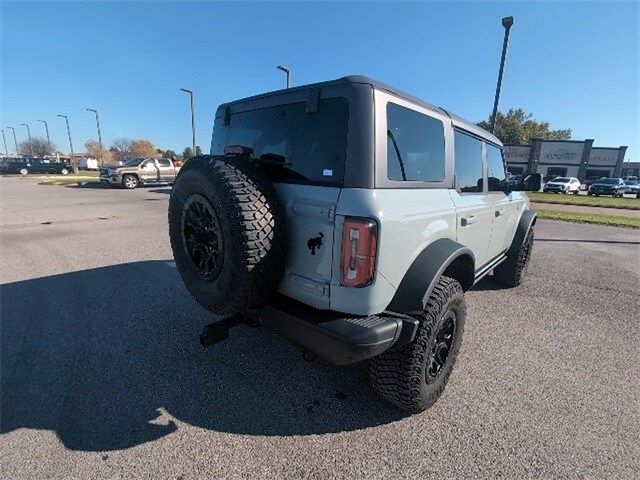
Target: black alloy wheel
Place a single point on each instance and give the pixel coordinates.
(442, 344)
(202, 236)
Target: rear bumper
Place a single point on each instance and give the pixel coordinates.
(336, 337)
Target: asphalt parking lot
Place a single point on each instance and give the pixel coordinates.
(102, 375)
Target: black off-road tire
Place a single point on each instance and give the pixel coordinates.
(511, 271)
(253, 235)
(401, 376)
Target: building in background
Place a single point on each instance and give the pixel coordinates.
(630, 169)
(565, 158)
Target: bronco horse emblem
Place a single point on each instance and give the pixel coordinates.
(315, 243)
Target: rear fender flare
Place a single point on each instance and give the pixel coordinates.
(443, 255)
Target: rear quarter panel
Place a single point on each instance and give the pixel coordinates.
(408, 221)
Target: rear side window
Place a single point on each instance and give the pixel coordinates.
(495, 169)
(415, 146)
(164, 163)
(468, 161)
(310, 146)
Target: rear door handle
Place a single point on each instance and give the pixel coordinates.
(468, 220)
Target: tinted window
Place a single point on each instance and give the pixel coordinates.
(495, 169)
(468, 161)
(296, 145)
(164, 163)
(415, 146)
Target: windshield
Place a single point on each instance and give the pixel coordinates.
(134, 162)
(608, 181)
(560, 179)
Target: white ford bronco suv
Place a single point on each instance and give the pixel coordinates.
(350, 218)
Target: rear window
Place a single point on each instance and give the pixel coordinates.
(312, 146)
(415, 146)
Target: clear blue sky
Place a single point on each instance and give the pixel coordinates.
(573, 64)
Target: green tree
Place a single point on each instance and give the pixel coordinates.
(187, 153)
(517, 127)
(168, 153)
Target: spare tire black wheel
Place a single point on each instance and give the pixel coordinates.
(227, 229)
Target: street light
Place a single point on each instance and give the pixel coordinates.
(15, 142)
(28, 135)
(73, 162)
(98, 125)
(4, 140)
(46, 127)
(99, 135)
(193, 120)
(507, 22)
(287, 73)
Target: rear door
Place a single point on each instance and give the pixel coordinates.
(166, 170)
(473, 205)
(303, 151)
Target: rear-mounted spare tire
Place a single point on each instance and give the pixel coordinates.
(227, 229)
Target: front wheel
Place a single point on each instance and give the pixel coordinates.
(414, 376)
(130, 181)
(64, 171)
(23, 171)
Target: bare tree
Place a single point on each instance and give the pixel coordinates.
(94, 150)
(36, 146)
(122, 149)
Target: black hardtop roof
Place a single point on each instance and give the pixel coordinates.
(363, 79)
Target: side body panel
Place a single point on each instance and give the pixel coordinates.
(409, 220)
(474, 220)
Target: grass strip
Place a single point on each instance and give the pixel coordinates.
(594, 218)
(586, 201)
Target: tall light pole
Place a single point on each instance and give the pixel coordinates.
(28, 135)
(507, 22)
(4, 140)
(46, 128)
(193, 120)
(287, 73)
(99, 134)
(73, 161)
(15, 142)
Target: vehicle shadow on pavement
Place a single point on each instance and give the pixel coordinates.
(108, 359)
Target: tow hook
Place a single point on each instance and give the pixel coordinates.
(218, 331)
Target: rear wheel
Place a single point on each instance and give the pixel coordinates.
(23, 171)
(64, 171)
(511, 270)
(414, 376)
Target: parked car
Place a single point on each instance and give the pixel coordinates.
(607, 186)
(35, 165)
(630, 177)
(562, 185)
(139, 171)
(631, 186)
(354, 256)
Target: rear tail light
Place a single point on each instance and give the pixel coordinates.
(359, 244)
